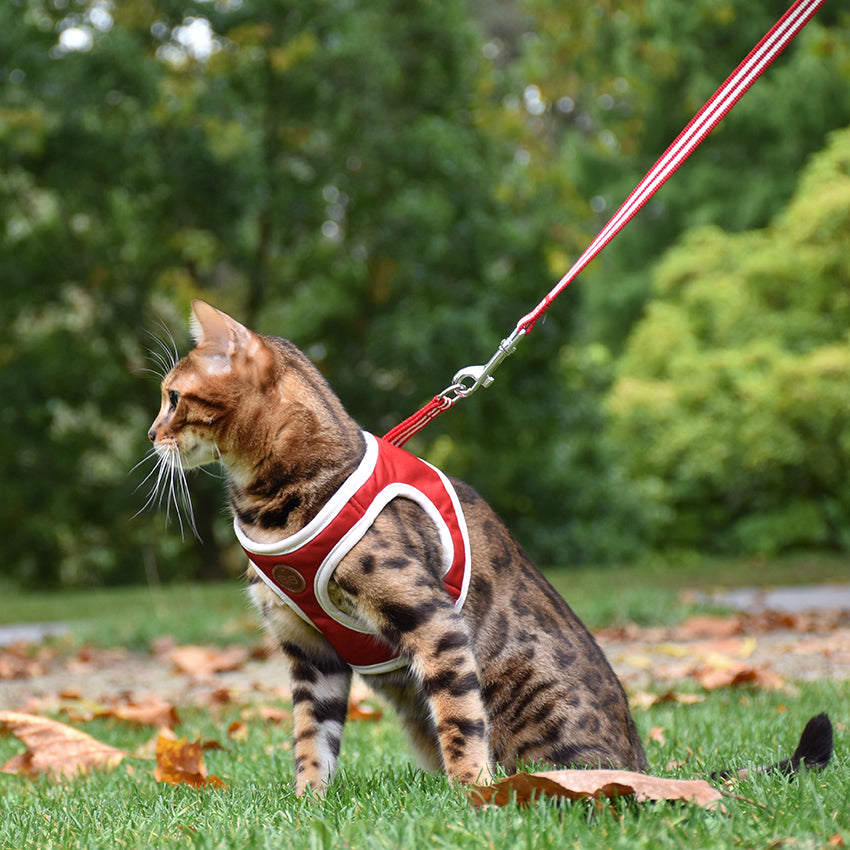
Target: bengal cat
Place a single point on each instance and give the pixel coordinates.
(495, 669)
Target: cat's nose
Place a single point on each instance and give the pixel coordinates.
(152, 434)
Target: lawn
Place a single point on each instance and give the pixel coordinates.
(380, 799)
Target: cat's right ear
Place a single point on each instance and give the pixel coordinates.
(218, 337)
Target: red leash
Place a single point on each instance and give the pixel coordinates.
(468, 380)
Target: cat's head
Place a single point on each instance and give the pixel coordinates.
(253, 403)
(211, 396)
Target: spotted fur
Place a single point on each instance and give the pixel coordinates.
(512, 677)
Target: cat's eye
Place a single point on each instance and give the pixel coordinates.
(173, 398)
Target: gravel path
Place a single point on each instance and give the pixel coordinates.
(812, 642)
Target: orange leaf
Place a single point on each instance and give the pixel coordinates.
(593, 784)
(54, 748)
(707, 626)
(203, 661)
(154, 711)
(238, 731)
(364, 710)
(182, 763)
(274, 715)
(736, 675)
(362, 704)
(656, 734)
(17, 663)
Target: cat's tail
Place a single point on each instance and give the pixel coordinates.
(813, 753)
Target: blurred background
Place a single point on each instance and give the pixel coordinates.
(391, 185)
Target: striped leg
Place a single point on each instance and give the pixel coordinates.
(320, 680)
(320, 692)
(398, 590)
(443, 659)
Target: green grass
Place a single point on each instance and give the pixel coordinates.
(381, 800)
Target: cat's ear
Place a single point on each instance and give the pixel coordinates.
(219, 338)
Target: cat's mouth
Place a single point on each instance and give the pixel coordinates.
(190, 453)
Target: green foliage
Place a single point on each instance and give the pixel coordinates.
(390, 185)
(614, 84)
(732, 393)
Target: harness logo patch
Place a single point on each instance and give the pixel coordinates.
(288, 578)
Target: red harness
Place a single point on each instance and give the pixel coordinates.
(299, 567)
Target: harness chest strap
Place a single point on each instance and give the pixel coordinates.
(299, 567)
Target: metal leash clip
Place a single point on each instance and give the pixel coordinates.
(471, 378)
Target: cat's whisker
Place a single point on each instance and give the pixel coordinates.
(165, 356)
(183, 495)
(177, 492)
(152, 454)
(155, 471)
(169, 488)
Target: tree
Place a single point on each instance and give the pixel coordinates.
(731, 396)
(316, 169)
(601, 90)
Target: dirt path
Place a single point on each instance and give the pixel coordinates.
(764, 648)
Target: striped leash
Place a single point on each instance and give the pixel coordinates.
(470, 379)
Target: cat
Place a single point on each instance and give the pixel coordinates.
(486, 665)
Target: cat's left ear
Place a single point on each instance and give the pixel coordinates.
(219, 338)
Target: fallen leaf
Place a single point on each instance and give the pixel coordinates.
(88, 659)
(737, 675)
(643, 699)
(657, 734)
(221, 696)
(54, 748)
(18, 662)
(153, 711)
(362, 703)
(238, 731)
(202, 662)
(736, 647)
(181, 763)
(364, 709)
(593, 784)
(707, 626)
(274, 715)
(71, 693)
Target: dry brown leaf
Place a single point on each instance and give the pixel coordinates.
(657, 734)
(221, 696)
(593, 784)
(835, 646)
(70, 694)
(362, 703)
(204, 661)
(238, 731)
(724, 648)
(17, 661)
(364, 709)
(274, 715)
(737, 675)
(181, 763)
(643, 699)
(54, 748)
(706, 626)
(152, 711)
(88, 659)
